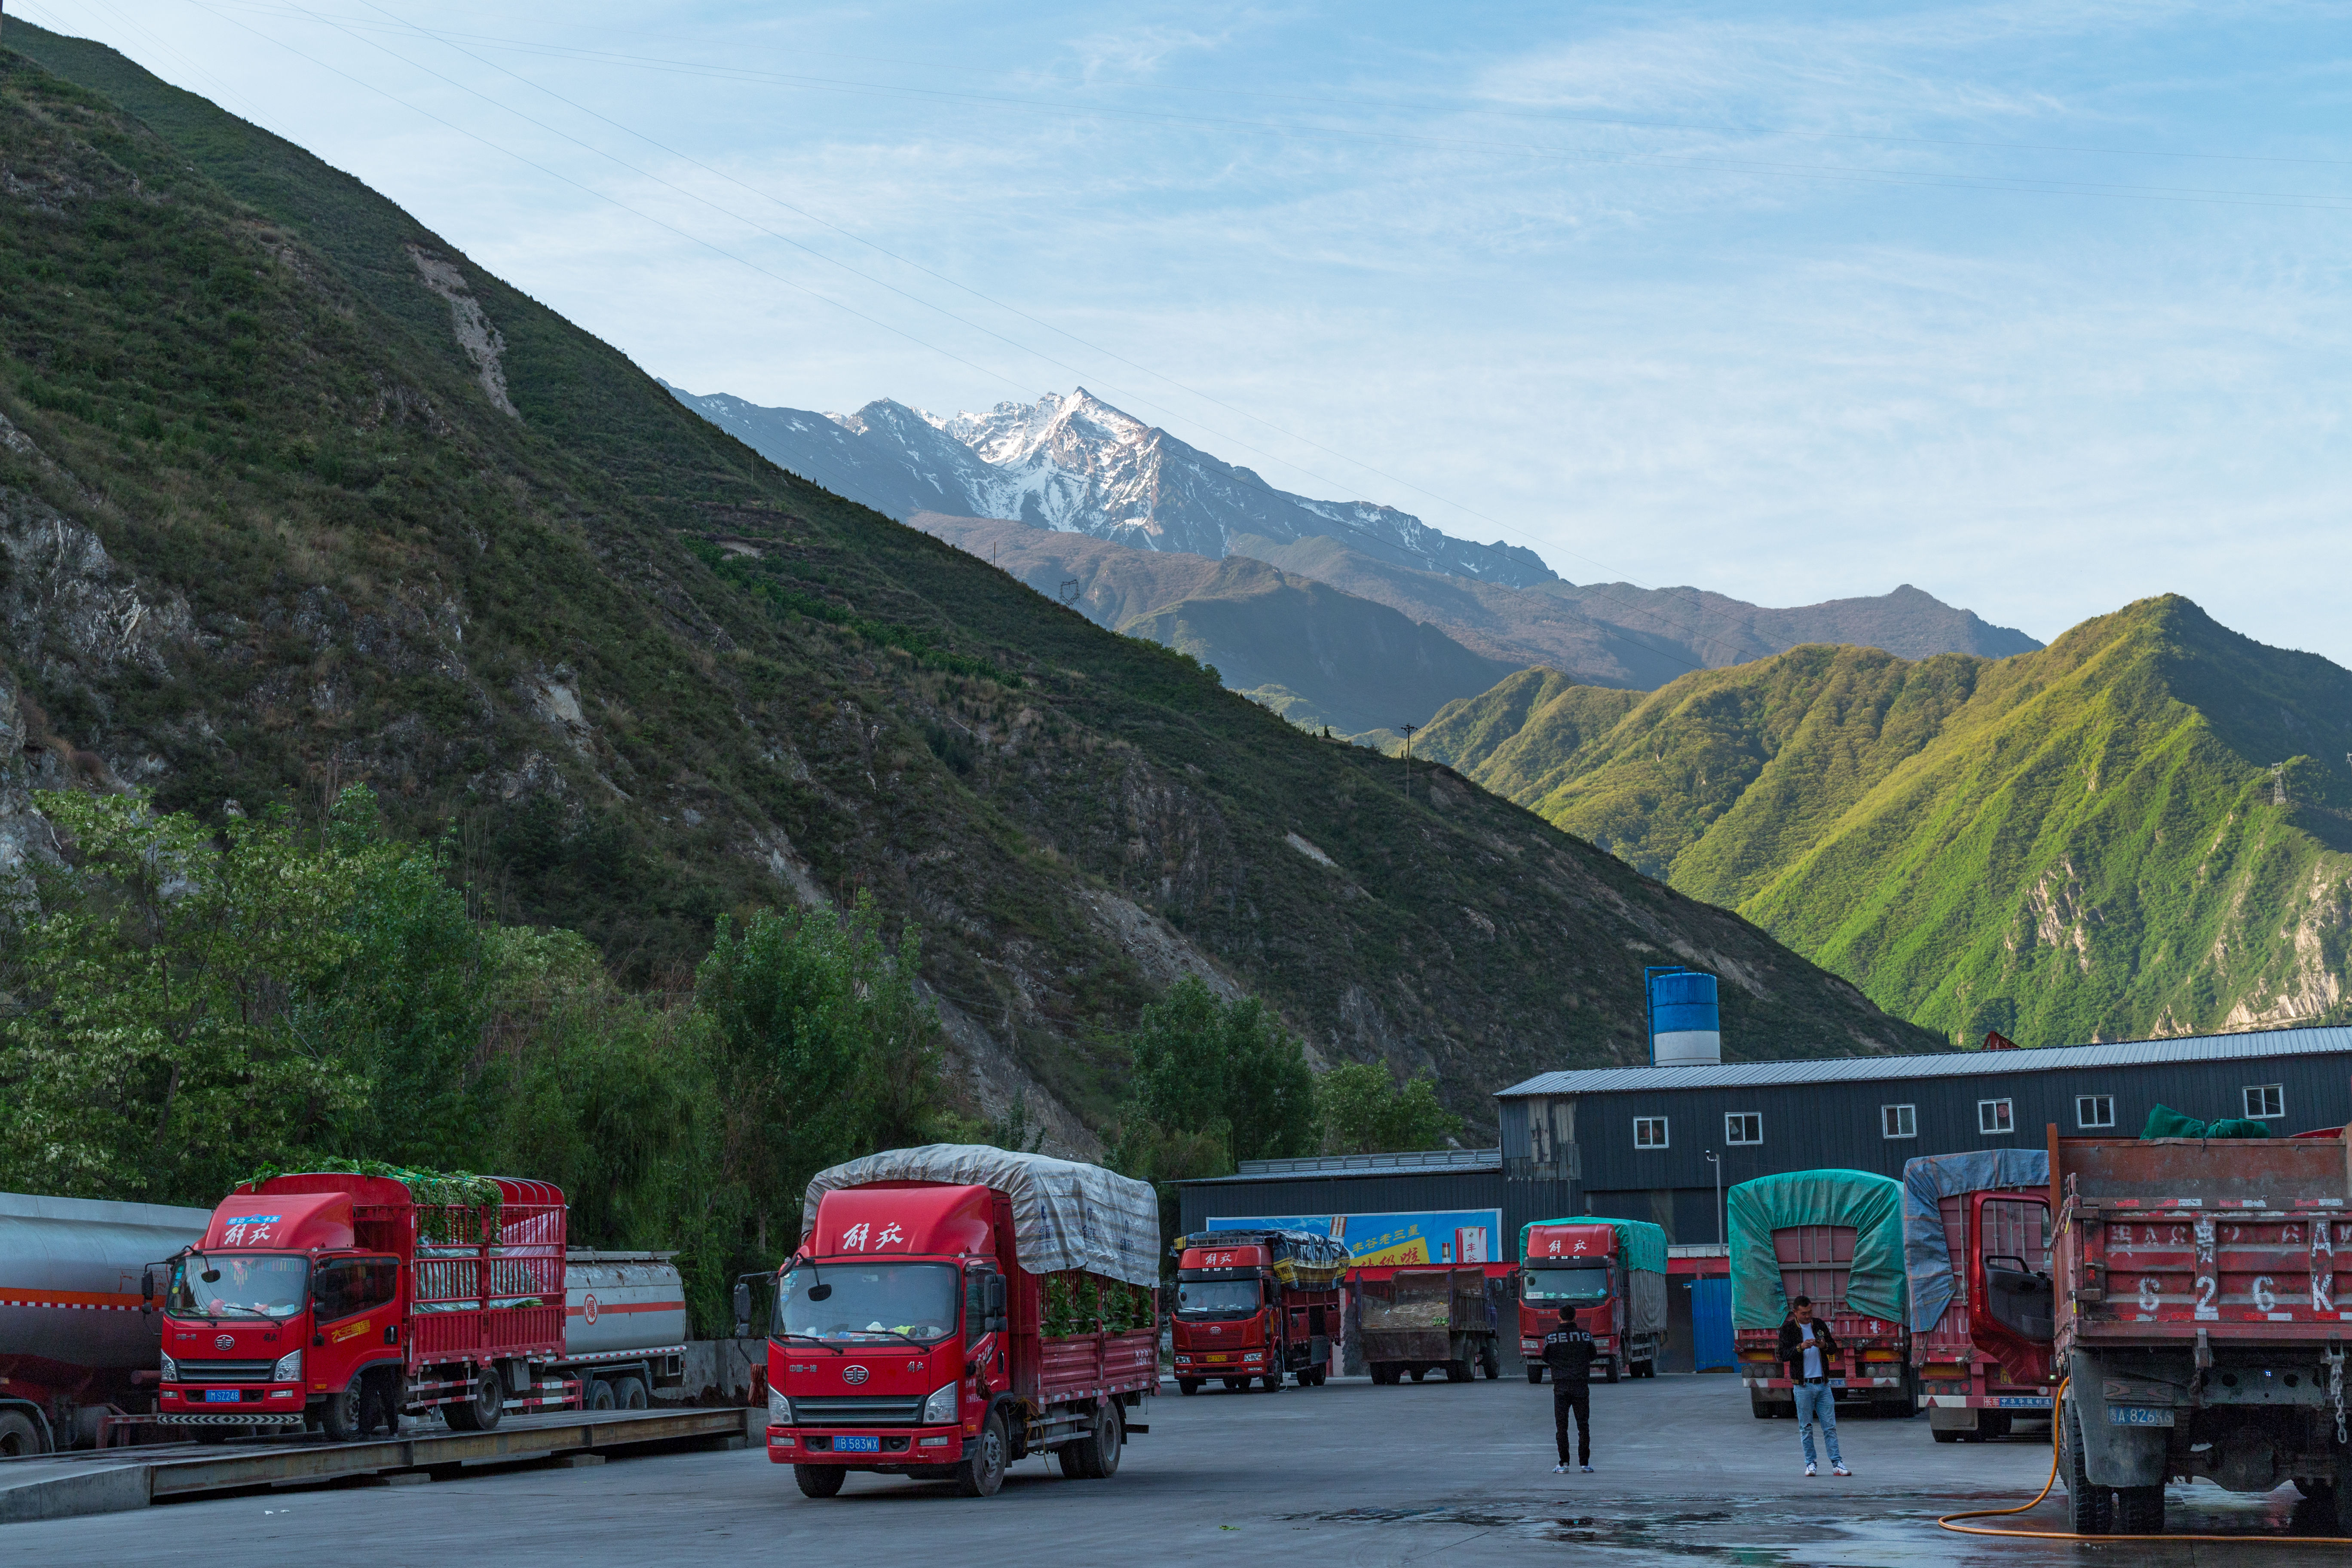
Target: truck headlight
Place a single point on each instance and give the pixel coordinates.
(940, 1407)
(780, 1409)
(170, 1369)
(288, 1368)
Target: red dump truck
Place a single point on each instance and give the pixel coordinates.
(1835, 1237)
(1976, 1240)
(1256, 1305)
(1414, 1321)
(1616, 1267)
(75, 1348)
(341, 1301)
(955, 1308)
(2202, 1300)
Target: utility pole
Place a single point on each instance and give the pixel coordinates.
(1408, 730)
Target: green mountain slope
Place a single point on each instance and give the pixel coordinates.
(2083, 843)
(1311, 653)
(293, 495)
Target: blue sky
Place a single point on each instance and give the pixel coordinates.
(2042, 307)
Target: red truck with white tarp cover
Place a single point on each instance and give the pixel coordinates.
(955, 1307)
(1975, 1246)
(1260, 1305)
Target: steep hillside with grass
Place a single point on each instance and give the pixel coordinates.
(2087, 842)
(293, 495)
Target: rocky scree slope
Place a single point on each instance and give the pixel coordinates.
(2144, 829)
(268, 528)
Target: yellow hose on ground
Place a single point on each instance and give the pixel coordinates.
(2057, 1414)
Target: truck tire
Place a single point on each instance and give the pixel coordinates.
(480, 1412)
(339, 1416)
(600, 1395)
(1944, 1434)
(211, 1435)
(1490, 1360)
(1535, 1371)
(1763, 1409)
(1273, 1380)
(2090, 1509)
(1458, 1371)
(820, 1480)
(1236, 1385)
(1419, 1373)
(629, 1393)
(1612, 1371)
(1095, 1457)
(1188, 1386)
(1382, 1374)
(983, 1472)
(19, 1437)
(2139, 1510)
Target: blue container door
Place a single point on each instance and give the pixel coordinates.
(1711, 1325)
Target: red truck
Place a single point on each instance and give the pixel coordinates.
(1256, 1305)
(955, 1308)
(1615, 1266)
(2203, 1290)
(341, 1301)
(1976, 1237)
(1837, 1237)
(1414, 1319)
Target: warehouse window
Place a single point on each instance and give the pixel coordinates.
(1995, 1116)
(1899, 1120)
(1743, 1127)
(2094, 1110)
(2266, 1100)
(1649, 1132)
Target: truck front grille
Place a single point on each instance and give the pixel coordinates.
(857, 1410)
(225, 1370)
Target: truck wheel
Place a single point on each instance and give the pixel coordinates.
(2139, 1510)
(980, 1475)
(1941, 1434)
(1612, 1371)
(1759, 1406)
(1458, 1371)
(629, 1393)
(600, 1397)
(19, 1435)
(339, 1417)
(2090, 1509)
(1273, 1380)
(209, 1435)
(820, 1480)
(1419, 1373)
(1188, 1386)
(1535, 1374)
(1236, 1385)
(480, 1412)
(1095, 1457)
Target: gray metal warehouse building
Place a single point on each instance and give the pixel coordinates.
(1633, 1143)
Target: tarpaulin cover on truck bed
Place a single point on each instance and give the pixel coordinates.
(1640, 1243)
(2166, 1122)
(1872, 1205)
(1926, 1254)
(1301, 1258)
(1065, 1215)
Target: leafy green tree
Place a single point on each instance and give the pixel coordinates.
(1365, 1111)
(1221, 1081)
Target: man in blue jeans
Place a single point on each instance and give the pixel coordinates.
(1811, 1352)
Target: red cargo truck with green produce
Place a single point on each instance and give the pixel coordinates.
(341, 1301)
(1835, 1237)
(1255, 1304)
(1976, 1248)
(1615, 1269)
(2203, 1294)
(955, 1308)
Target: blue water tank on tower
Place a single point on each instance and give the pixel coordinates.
(1685, 1030)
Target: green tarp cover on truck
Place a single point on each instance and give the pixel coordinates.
(2166, 1122)
(1640, 1243)
(1872, 1205)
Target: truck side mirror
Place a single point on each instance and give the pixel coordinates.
(995, 1306)
(742, 1309)
(147, 1287)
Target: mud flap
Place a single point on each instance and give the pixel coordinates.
(2113, 1455)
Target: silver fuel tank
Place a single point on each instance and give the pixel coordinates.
(70, 1271)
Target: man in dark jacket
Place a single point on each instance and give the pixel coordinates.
(1811, 1353)
(1569, 1351)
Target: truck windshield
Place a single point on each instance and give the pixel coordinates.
(1208, 1297)
(221, 1285)
(868, 1300)
(1583, 1285)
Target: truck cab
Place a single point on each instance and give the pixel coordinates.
(1254, 1305)
(1572, 1267)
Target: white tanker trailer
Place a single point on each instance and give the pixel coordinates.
(625, 1326)
(75, 1343)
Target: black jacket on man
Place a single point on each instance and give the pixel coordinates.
(1569, 1351)
(1792, 1350)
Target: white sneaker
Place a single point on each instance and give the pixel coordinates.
(1560, 1468)
(1588, 1469)
(1840, 1470)
(1809, 1470)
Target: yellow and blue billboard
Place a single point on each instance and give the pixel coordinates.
(1428, 1235)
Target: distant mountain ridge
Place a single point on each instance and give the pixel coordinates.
(2144, 829)
(1078, 465)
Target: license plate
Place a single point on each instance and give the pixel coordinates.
(222, 1396)
(1837, 1383)
(2138, 1416)
(2024, 1401)
(858, 1444)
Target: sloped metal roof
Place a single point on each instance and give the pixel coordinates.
(1345, 1164)
(1947, 1064)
